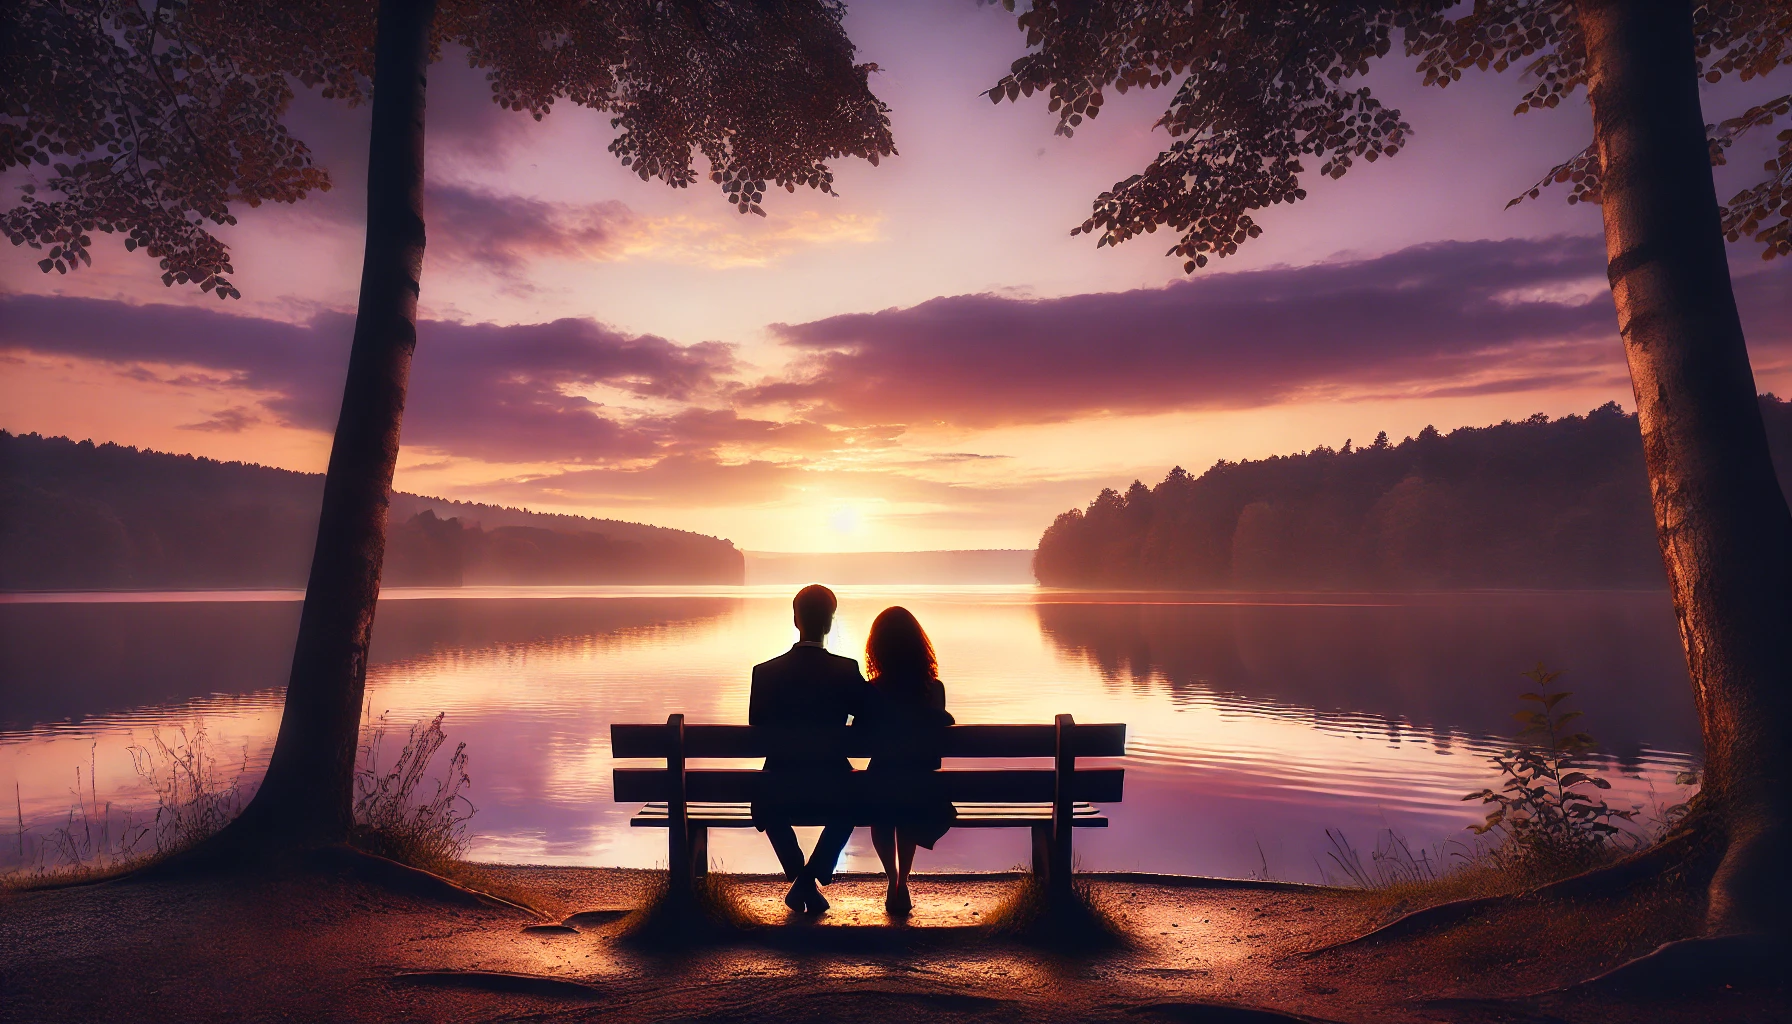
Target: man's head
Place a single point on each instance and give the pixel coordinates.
(814, 606)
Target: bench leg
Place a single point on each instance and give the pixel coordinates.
(678, 820)
(1042, 850)
(699, 849)
(1064, 789)
(678, 851)
(1059, 870)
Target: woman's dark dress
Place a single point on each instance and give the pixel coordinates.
(906, 718)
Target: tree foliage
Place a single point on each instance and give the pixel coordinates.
(158, 121)
(151, 122)
(1264, 89)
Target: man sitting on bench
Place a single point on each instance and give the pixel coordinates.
(805, 688)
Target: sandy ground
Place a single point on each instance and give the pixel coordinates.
(308, 947)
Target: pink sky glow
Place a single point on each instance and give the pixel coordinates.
(929, 360)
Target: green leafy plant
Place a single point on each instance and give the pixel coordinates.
(1547, 808)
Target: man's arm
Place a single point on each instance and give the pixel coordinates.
(857, 689)
(757, 699)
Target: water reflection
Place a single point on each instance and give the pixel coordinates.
(65, 661)
(1253, 727)
(1441, 663)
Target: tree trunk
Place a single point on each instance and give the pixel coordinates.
(307, 796)
(1725, 532)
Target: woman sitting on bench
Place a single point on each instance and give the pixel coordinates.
(905, 715)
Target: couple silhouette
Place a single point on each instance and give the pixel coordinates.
(901, 710)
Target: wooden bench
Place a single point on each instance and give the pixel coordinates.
(688, 802)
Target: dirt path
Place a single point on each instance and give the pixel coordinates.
(313, 948)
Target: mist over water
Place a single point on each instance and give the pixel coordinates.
(1255, 721)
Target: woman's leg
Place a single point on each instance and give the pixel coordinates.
(883, 840)
(896, 865)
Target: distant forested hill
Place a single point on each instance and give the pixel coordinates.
(1543, 503)
(75, 515)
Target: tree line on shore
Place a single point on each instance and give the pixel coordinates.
(1539, 503)
(75, 515)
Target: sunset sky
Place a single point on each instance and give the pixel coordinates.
(929, 360)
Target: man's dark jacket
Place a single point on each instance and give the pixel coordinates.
(805, 688)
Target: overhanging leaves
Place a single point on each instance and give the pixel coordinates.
(1262, 87)
(154, 123)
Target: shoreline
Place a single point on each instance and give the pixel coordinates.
(310, 944)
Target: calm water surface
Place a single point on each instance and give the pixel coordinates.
(1255, 723)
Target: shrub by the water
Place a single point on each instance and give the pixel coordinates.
(1544, 822)
(1547, 811)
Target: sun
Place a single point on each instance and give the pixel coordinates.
(846, 521)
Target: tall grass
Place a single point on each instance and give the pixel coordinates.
(95, 840)
(395, 816)
(190, 803)
(1391, 861)
(397, 813)
(704, 911)
(1072, 918)
(1402, 875)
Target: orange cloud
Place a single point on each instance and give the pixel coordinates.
(505, 232)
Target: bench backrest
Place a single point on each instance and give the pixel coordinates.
(660, 740)
(1064, 742)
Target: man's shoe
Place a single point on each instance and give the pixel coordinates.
(804, 898)
(795, 899)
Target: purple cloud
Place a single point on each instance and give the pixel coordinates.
(1442, 318)
(233, 420)
(506, 232)
(481, 390)
(1456, 318)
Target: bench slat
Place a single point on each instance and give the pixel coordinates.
(653, 740)
(1016, 821)
(989, 785)
(721, 809)
(970, 815)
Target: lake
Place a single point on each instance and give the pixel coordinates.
(1256, 722)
